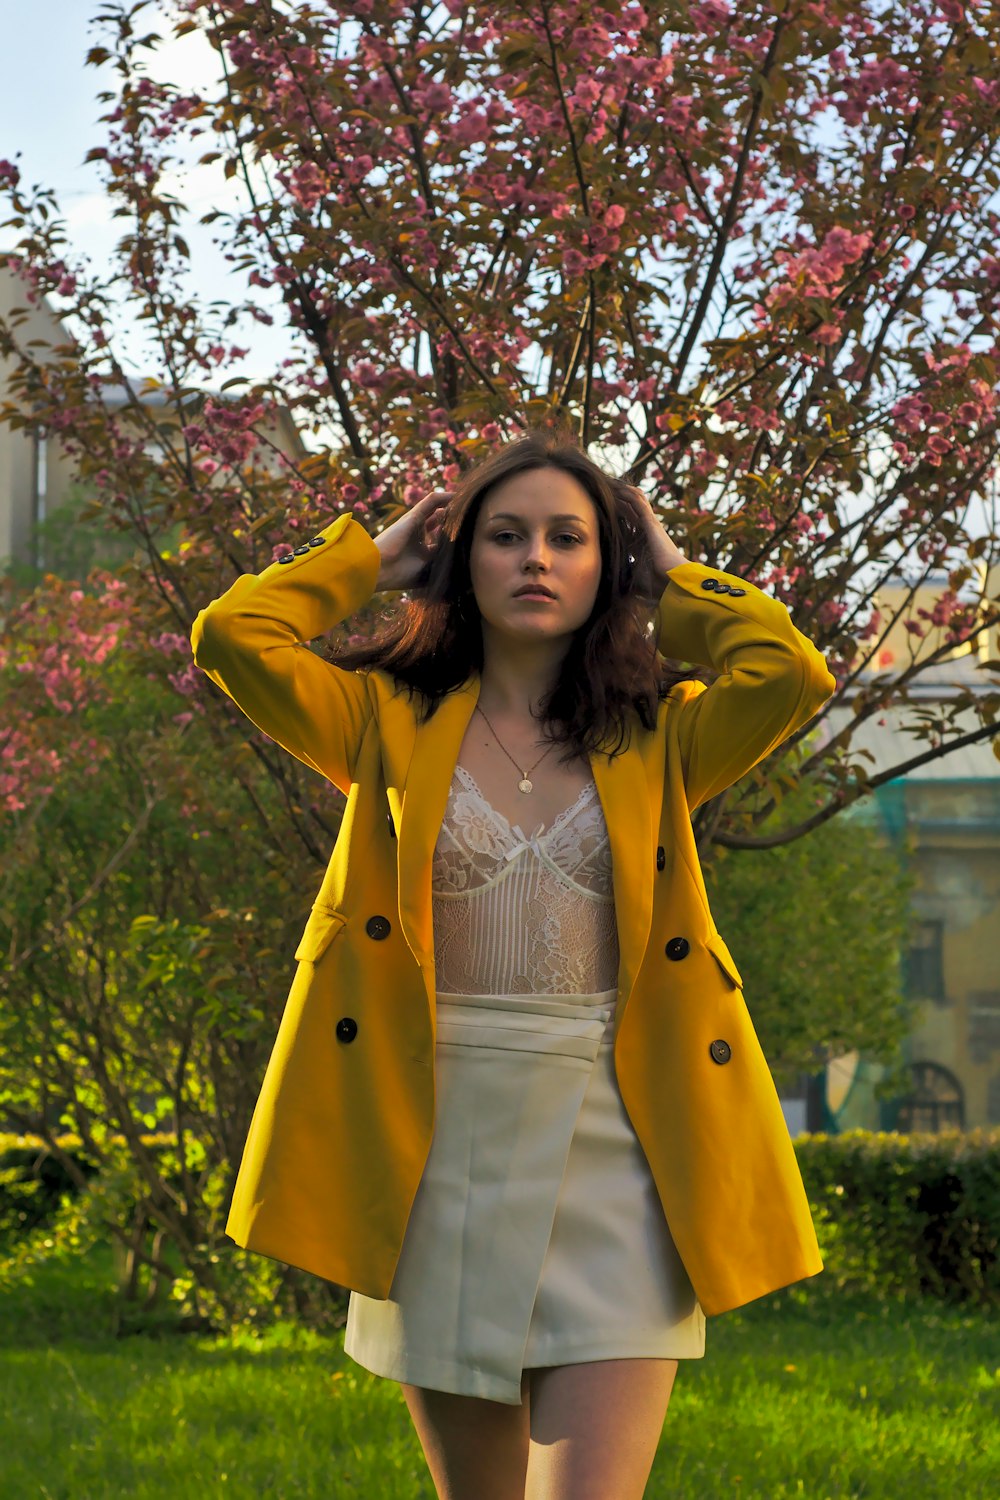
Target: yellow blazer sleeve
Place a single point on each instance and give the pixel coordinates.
(252, 643)
(773, 679)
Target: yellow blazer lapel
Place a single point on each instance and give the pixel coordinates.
(625, 801)
(432, 765)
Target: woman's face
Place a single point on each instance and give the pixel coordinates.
(538, 527)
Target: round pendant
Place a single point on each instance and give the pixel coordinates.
(524, 785)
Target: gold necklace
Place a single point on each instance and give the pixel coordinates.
(524, 785)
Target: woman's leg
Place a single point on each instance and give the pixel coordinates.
(595, 1427)
(475, 1449)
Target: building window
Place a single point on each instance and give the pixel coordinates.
(39, 492)
(984, 1023)
(924, 966)
(935, 1101)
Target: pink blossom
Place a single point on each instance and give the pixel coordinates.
(710, 15)
(188, 681)
(169, 641)
(308, 185)
(989, 92)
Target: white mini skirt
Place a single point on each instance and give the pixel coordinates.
(537, 1236)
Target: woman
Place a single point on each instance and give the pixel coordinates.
(544, 1145)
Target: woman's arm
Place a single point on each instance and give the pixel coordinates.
(772, 678)
(252, 643)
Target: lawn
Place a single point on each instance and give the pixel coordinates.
(805, 1393)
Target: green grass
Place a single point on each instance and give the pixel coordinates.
(804, 1393)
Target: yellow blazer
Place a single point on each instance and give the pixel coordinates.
(343, 1124)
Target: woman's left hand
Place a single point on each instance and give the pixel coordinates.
(662, 554)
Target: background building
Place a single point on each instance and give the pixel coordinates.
(36, 477)
(943, 821)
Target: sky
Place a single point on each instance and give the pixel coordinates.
(49, 120)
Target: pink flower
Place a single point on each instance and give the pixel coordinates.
(710, 16)
(308, 185)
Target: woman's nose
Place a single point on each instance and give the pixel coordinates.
(538, 551)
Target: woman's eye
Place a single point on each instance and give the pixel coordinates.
(567, 534)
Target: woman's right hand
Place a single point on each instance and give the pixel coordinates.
(408, 544)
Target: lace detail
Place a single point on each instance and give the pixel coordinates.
(522, 914)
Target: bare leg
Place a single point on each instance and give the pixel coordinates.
(475, 1449)
(595, 1428)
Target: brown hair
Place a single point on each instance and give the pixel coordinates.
(611, 671)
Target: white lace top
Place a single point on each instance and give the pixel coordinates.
(522, 914)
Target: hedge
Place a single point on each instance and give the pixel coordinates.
(898, 1215)
(908, 1214)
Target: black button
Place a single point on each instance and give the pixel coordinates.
(347, 1029)
(299, 550)
(710, 583)
(678, 948)
(316, 541)
(287, 557)
(392, 826)
(661, 857)
(378, 928)
(721, 1051)
(737, 591)
(722, 587)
